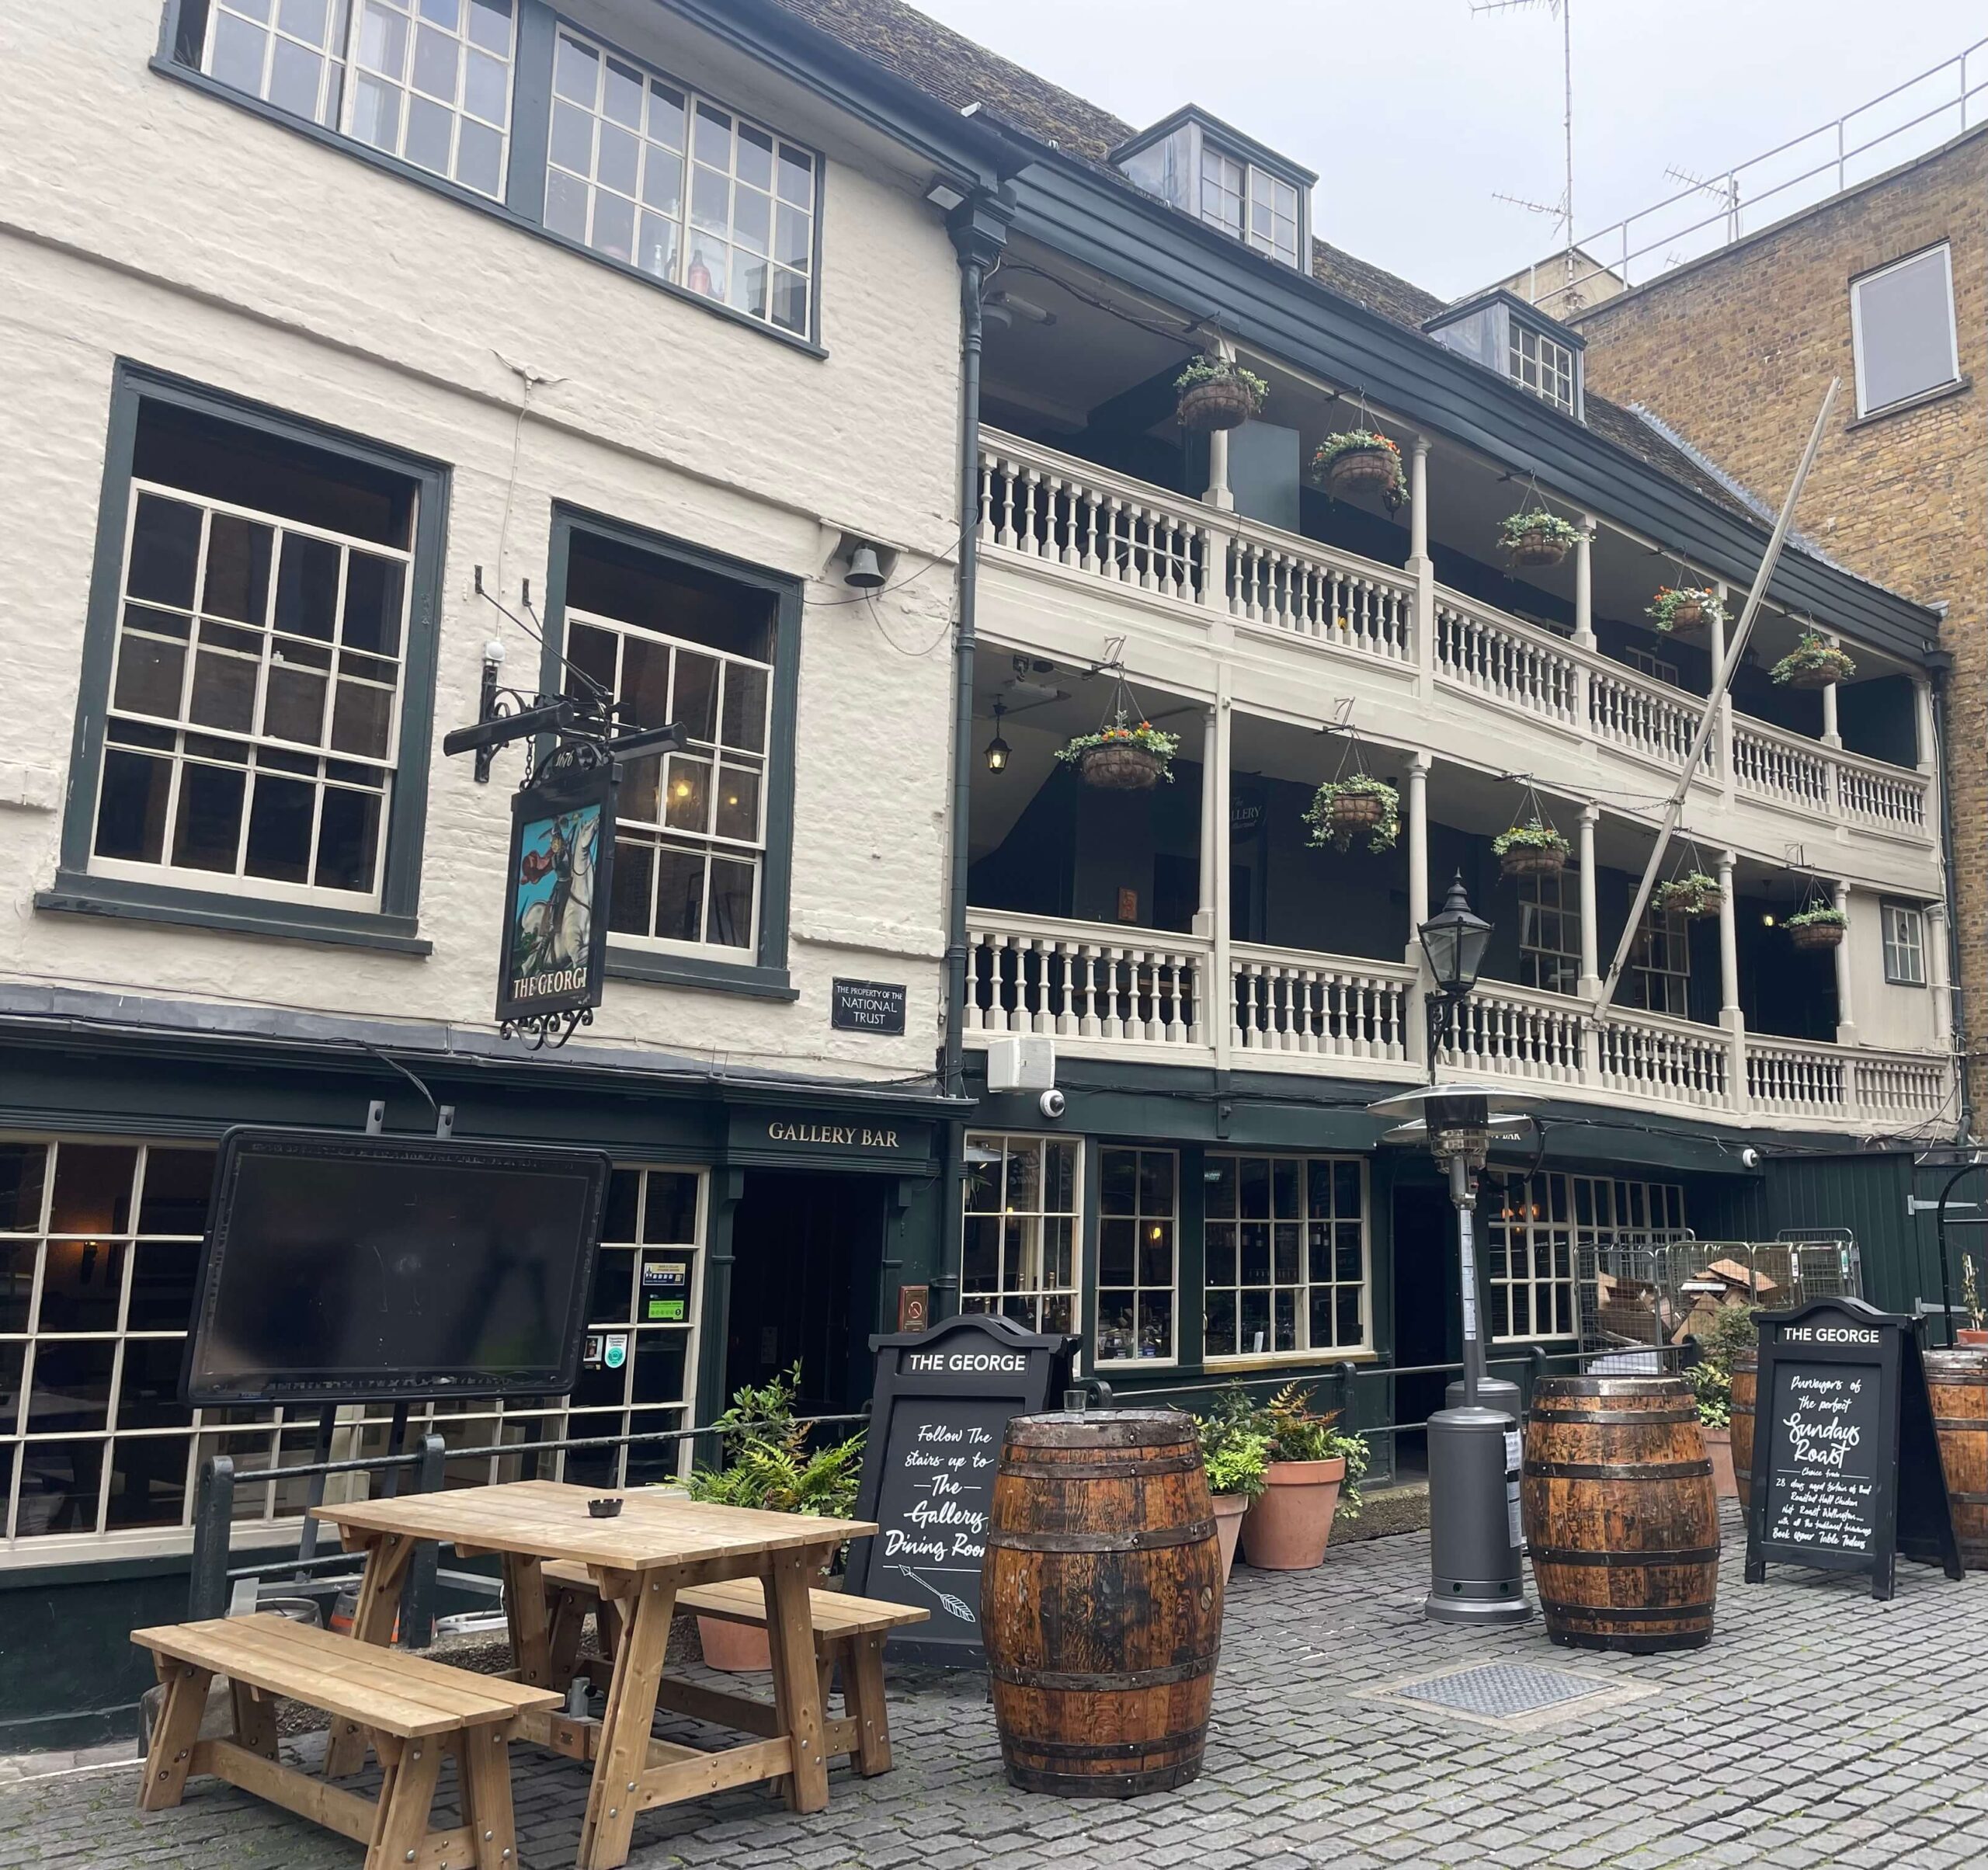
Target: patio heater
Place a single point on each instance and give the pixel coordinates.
(1477, 1570)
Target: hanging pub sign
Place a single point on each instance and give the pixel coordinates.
(941, 1406)
(1847, 1468)
(553, 942)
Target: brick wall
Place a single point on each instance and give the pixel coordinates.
(1736, 352)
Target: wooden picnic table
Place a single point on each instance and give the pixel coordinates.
(658, 1545)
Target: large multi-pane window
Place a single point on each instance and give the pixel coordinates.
(427, 81)
(1137, 1229)
(1021, 1219)
(1550, 931)
(1542, 365)
(1535, 1228)
(1905, 945)
(262, 617)
(648, 172)
(1286, 1243)
(1659, 976)
(1250, 203)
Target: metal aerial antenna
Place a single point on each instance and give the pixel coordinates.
(1725, 190)
(1563, 10)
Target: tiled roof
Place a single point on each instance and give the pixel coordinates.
(951, 67)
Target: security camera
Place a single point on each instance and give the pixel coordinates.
(1749, 1158)
(1052, 1104)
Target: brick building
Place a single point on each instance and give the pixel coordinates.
(1884, 285)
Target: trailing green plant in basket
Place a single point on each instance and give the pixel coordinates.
(1531, 850)
(1677, 609)
(1343, 808)
(1821, 916)
(1361, 458)
(1159, 745)
(1536, 537)
(1813, 663)
(1691, 895)
(1218, 393)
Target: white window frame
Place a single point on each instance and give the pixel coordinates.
(715, 753)
(345, 20)
(237, 882)
(1944, 251)
(1306, 1351)
(1599, 1211)
(1037, 1293)
(1675, 982)
(1140, 1217)
(1654, 666)
(1542, 364)
(1537, 961)
(1905, 943)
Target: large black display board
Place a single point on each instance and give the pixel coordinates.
(942, 1404)
(1846, 1466)
(354, 1268)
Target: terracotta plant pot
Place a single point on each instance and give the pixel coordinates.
(1817, 935)
(738, 1648)
(1218, 404)
(1229, 1509)
(1525, 861)
(1970, 1340)
(1718, 1445)
(1358, 467)
(1538, 548)
(1124, 768)
(1289, 1525)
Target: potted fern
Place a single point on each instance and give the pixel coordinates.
(1123, 757)
(1531, 850)
(1537, 537)
(1312, 1465)
(1357, 458)
(1342, 808)
(767, 1464)
(1685, 610)
(1813, 663)
(1694, 895)
(1820, 926)
(1218, 393)
(1236, 1453)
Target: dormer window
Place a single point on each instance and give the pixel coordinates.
(1504, 333)
(1205, 168)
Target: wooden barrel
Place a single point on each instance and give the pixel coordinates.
(1958, 1382)
(1101, 1602)
(1746, 1375)
(1622, 1521)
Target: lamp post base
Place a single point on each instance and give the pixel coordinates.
(1477, 1569)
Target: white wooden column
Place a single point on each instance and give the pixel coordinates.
(1925, 723)
(1218, 494)
(1590, 923)
(1422, 568)
(1418, 850)
(1418, 500)
(1584, 583)
(1221, 994)
(1846, 1016)
(1204, 911)
(1722, 730)
(1942, 987)
(1730, 1017)
(1831, 737)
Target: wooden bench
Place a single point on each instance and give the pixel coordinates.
(849, 1632)
(410, 1708)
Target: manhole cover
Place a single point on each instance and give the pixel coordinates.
(1499, 1690)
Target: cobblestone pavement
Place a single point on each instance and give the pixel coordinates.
(1820, 1728)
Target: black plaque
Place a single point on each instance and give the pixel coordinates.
(874, 1006)
(943, 1401)
(1846, 1468)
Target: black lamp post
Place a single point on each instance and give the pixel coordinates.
(1454, 940)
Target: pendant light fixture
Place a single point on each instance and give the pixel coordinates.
(997, 747)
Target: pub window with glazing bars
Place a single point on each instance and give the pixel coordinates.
(1138, 1245)
(1542, 365)
(1019, 1242)
(1286, 1245)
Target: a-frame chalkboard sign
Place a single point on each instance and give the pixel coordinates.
(1846, 1465)
(939, 1411)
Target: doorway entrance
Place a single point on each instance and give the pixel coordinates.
(807, 1258)
(1426, 1330)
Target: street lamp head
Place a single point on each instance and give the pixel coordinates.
(1455, 940)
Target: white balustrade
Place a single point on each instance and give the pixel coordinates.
(1516, 1033)
(1900, 1091)
(1312, 592)
(1881, 795)
(1534, 674)
(1783, 768)
(1075, 980)
(1786, 1078)
(1643, 716)
(1670, 1061)
(1316, 1006)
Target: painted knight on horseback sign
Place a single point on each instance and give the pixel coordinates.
(554, 940)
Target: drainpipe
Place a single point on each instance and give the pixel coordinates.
(1957, 1000)
(979, 229)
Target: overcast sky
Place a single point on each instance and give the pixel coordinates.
(1413, 112)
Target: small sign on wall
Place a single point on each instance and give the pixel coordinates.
(877, 1007)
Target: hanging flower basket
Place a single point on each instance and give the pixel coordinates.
(1218, 393)
(1357, 459)
(1536, 538)
(1694, 895)
(1684, 610)
(1342, 808)
(1821, 926)
(1531, 850)
(1122, 758)
(1813, 663)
